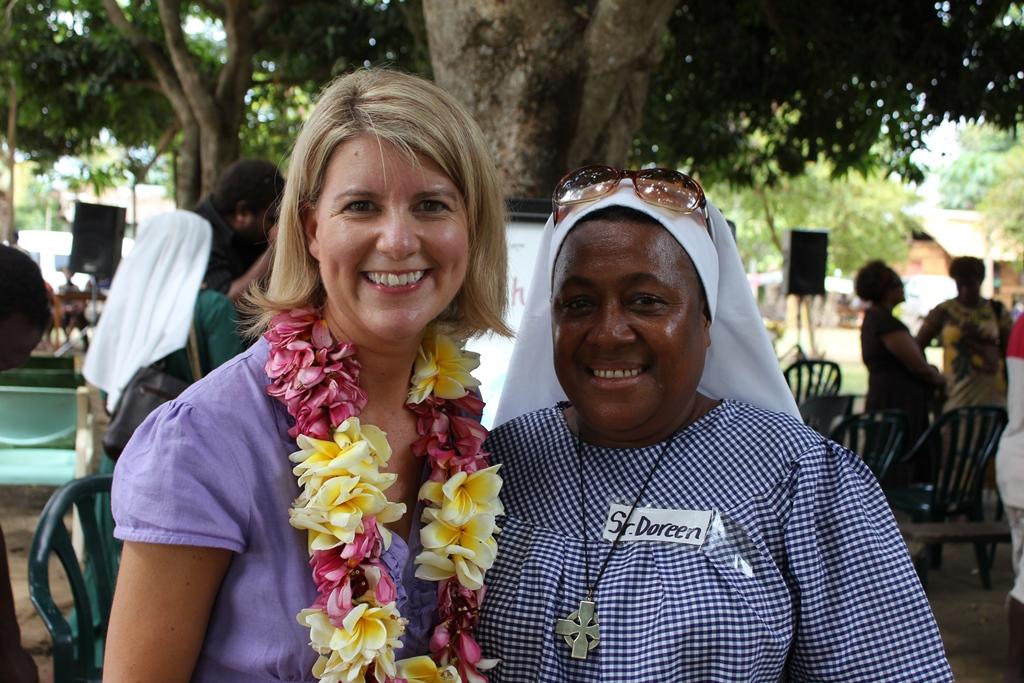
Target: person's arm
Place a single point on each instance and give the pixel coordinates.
(256, 271)
(16, 665)
(931, 327)
(161, 608)
(855, 587)
(900, 344)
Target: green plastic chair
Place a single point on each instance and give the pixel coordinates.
(810, 378)
(877, 436)
(37, 417)
(51, 362)
(957, 448)
(41, 377)
(37, 435)
(78, 641)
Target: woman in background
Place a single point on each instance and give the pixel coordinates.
(974, 333)
(899, 376)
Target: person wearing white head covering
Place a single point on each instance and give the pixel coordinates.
(740, 363)
(153, 300)
(674, 520)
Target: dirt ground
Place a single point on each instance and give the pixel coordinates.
(971, 619)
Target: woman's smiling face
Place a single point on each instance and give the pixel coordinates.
(630, 331)
(391, 236)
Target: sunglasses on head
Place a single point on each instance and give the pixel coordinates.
(660, 187)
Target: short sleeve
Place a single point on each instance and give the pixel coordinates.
(861, 612)
(178, 483)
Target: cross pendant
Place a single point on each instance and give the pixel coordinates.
(580, 629)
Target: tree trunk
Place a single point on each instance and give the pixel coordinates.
(188, 177)
(210, 113)
(551, 87)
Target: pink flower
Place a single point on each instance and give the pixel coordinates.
(469, 435)
(338, 603)
(329, 569)
(471, 404)
(385, 589)
(467, 649)
(289, 325)
(440, 639)
(366, 546)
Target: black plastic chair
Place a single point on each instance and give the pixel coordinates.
(78, 643)
(957, 448)
(809, 378)
(821, 413)
(877, 436)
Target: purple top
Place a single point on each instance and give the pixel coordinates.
(211, 469)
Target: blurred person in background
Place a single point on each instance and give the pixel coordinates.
(242, 210)
(974, 332)
(155, 299)
(899, 376)
(24, 318)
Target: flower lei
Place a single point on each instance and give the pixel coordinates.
(354, 623)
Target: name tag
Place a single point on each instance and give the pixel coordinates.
(688, 527)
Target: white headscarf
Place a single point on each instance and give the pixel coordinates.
(151, 302)
(740, 363)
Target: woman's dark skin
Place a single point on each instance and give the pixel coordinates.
(627, 300)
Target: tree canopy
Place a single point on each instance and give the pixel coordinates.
(749, 92)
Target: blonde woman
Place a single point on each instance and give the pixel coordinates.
(276, 518)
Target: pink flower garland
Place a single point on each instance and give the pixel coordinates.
(317, 380)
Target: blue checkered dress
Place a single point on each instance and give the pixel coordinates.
(807, 579)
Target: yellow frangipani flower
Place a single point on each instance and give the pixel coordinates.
(443, 369)
(355, 449)
(334, 514)
(464, 496)
(465, 551)
(368, 635)
(423, 669)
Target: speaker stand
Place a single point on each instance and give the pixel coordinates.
(797, 351)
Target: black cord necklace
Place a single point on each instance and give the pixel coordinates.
(580, 629)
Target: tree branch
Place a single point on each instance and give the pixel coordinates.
(213, 7)
(200, 101)
(769, 217)
(235, 76)
(267, 13)
(156, 59)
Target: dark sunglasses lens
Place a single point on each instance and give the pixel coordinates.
(585, 184)
(670, 189)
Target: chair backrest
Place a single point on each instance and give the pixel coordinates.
(41, 377)
(877, 436)
(78, 650)
(51, 362)
(37, 416)
(820, 413)
(958, 447)
(808, 378)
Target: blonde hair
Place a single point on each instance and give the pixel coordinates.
(416, 117)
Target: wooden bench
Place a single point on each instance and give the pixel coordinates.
(920, 536)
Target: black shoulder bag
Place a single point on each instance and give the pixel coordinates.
(149, 388)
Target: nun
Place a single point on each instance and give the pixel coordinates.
(668, 516)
